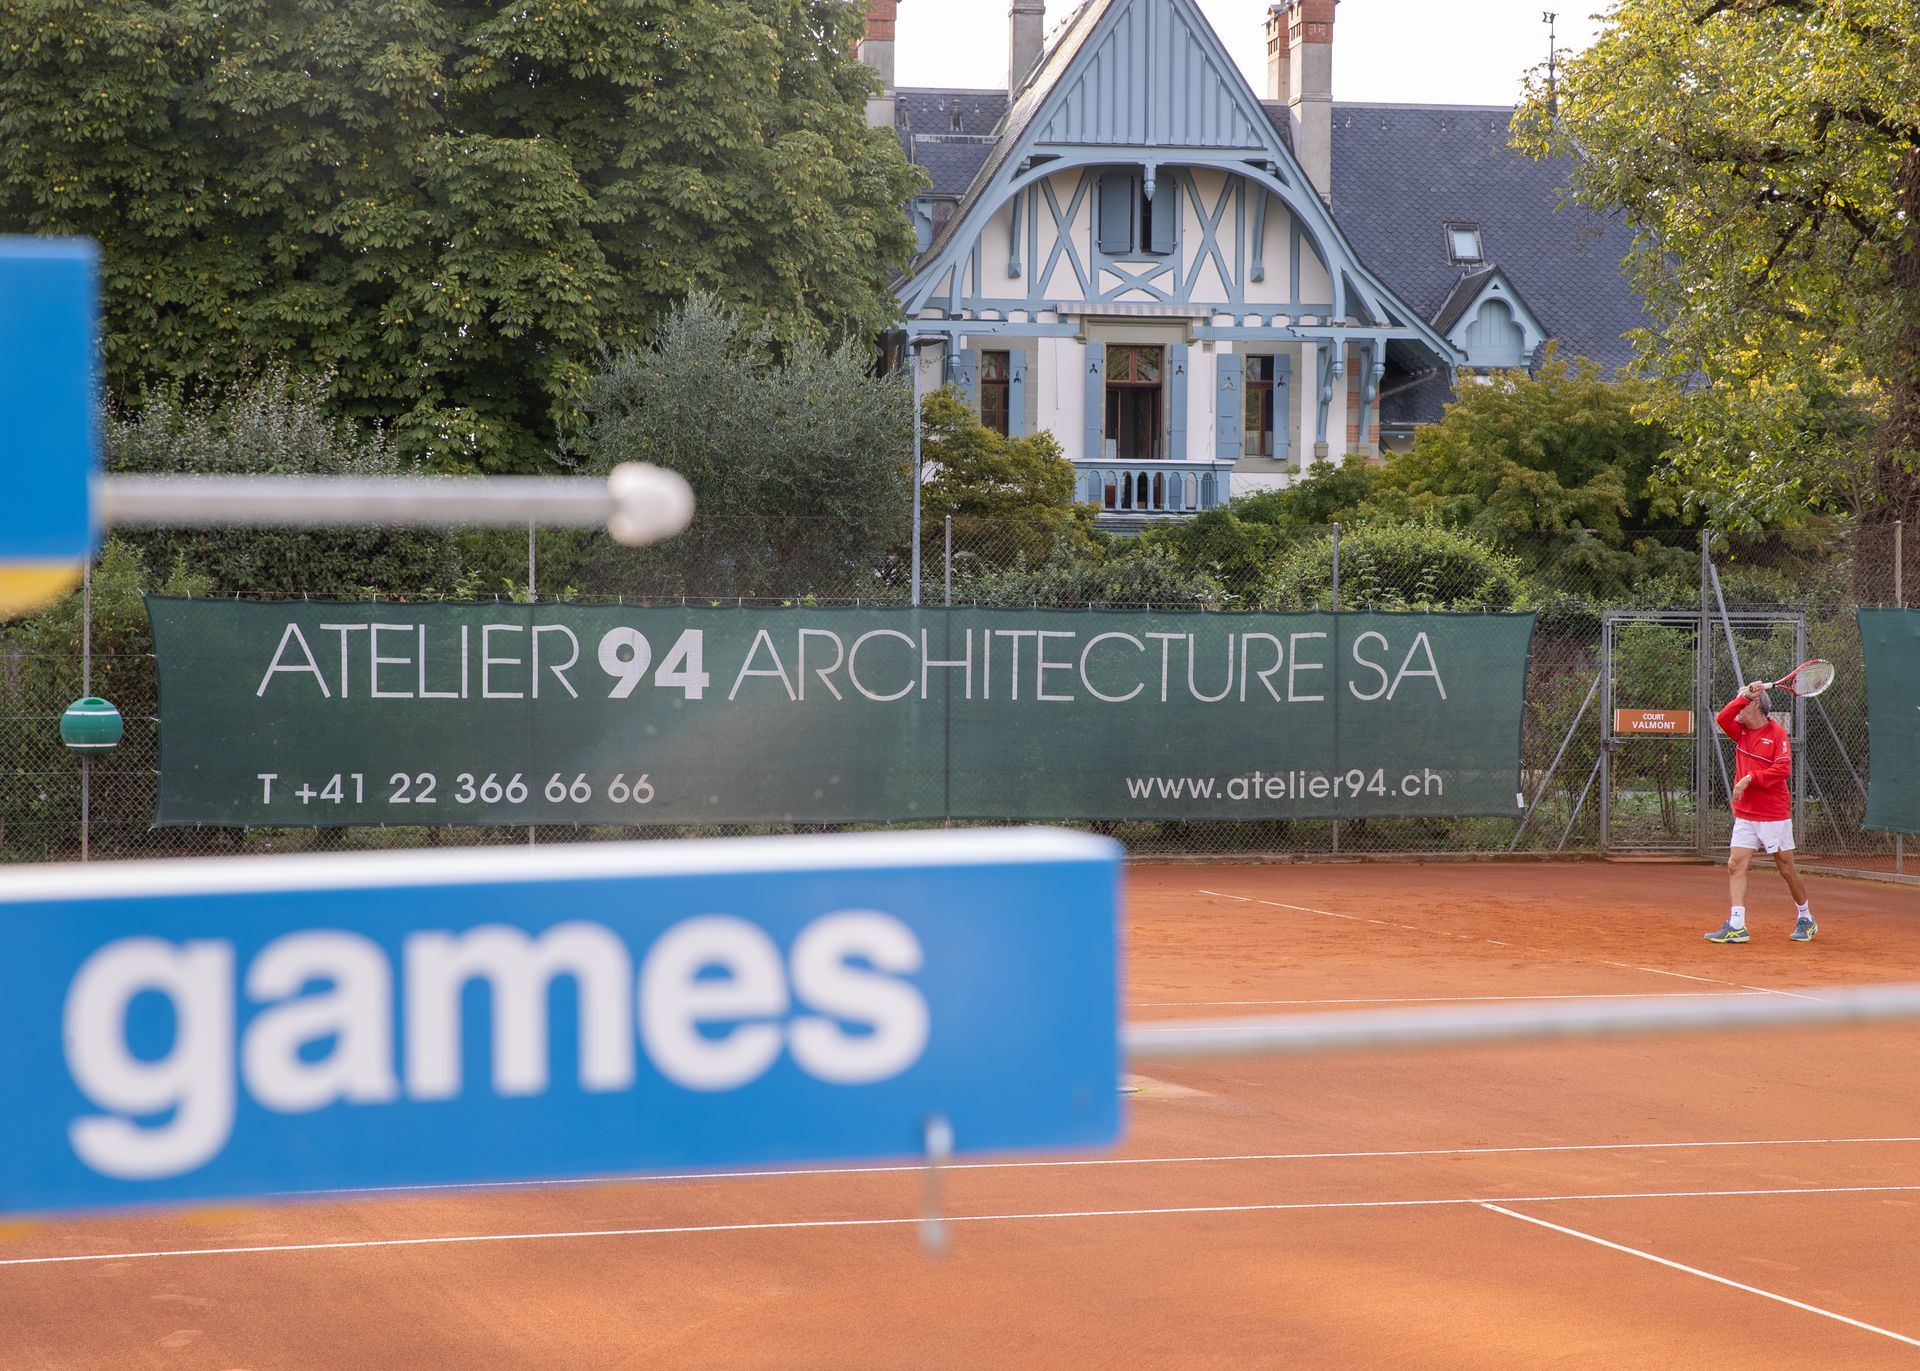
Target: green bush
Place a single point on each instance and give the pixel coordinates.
(1130, 575)
(1396, 567)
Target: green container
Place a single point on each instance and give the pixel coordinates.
(91, 725)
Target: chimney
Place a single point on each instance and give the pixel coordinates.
(1277, 56)
(876, 51)
(1309, 66)
(1028, 40)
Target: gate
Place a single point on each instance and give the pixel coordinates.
(1666, 772)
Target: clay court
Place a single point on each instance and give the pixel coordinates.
(1744, 1201)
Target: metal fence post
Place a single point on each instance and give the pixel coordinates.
(1899, 602)
(1336, 639)
(533, 596)
(1336, 567)
(86, 689)
(949, 561)
(1703, 703)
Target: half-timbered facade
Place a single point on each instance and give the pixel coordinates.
(1131, 249)
(1141, 266)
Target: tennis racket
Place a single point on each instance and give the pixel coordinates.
(1806, 680)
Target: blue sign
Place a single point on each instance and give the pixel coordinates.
(174, 1031)
(49, 391)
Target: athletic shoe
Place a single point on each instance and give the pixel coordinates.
(1803, 929)
(1727, 933)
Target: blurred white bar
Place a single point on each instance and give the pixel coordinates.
(637, 504)
(1302, 1033)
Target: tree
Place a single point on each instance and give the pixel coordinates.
(1557, 469)
(448, 205)
(1767, 153)
(278, 425)
(1011, 495)
(798, 457)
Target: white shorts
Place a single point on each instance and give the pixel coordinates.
(1764, 835)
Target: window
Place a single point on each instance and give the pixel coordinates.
(1463, 243)
(1131, 224)
(1258, 440)
(1133, 403)
(996, 373)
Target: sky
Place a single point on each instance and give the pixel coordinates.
(1438, 52)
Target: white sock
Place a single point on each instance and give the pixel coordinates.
(1803, 911)
(1739, 916)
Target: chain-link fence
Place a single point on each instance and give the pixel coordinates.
(1651, 623)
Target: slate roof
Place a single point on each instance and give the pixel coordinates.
(1401, 172)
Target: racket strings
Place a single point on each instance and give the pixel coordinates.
(1812, 678)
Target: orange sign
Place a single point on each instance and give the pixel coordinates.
(1669, 721)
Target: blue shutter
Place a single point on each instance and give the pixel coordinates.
(1116, 213)
(1093, 438)
(1177, 402)
(966, 378)
(1166, 214)
(1282, 404)
(1228, 375)
(1016, 394)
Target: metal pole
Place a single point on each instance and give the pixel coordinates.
(949, 561)
(1336, 694)
(86, 688)
(533, 597)
(1702, 707)
(1900, 602)
(1336, 568)
(1802, 775)
(1407, 1028)
(1601, 767)
(916, 479)
(1554, 767)
(637, 504)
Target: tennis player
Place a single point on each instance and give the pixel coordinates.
(1762, 810)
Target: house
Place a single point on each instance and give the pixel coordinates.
(1199, 291)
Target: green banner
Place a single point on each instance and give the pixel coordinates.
(323, 714)
(1890, 641)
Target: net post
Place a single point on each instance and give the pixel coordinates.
(937, 1138)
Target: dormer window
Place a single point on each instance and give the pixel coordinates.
(1463, 244)
(956, 116)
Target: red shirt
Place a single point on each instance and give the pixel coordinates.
(1766, 754)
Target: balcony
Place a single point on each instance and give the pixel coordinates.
(1128, 491)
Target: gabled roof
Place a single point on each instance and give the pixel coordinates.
(1465, 291)
(1150, 80)
(1402, 172)
(1132, 75)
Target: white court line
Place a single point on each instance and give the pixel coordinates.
(1455, 999)
(460, 1238)
(1627, 966)
(1304, 909)
(1707, 1275)
(1071, 1163)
